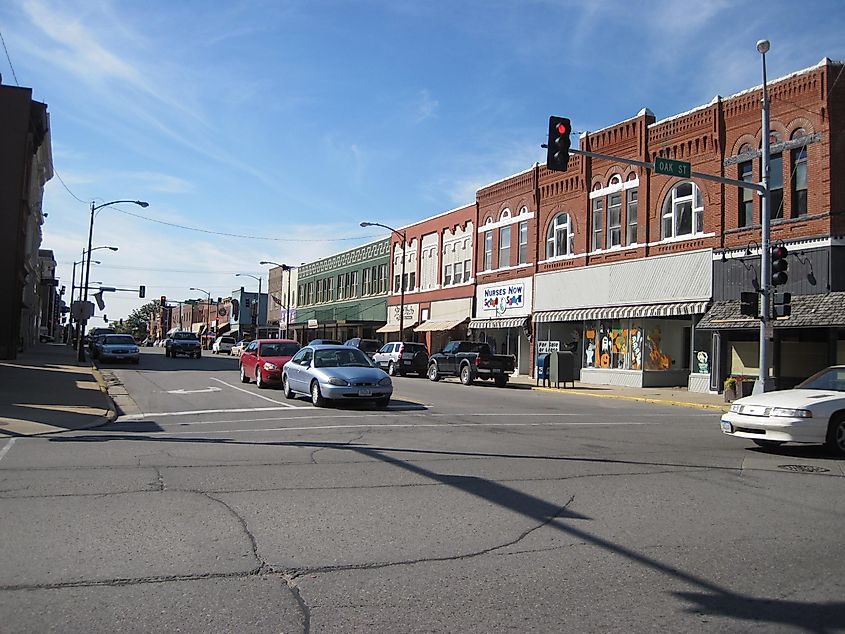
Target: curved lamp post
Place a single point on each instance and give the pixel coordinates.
(402, 235)
(285, 268)
(258, 308)
(94, 208)
(207, 308)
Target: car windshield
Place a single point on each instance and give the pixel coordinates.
(184, 335)
(278, 349)
(334, 357)
(227, 340)
(369, 345)
(125, 340)
(829, 379)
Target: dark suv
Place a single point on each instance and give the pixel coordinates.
(182, 343)
(402, 358)
(370, 346)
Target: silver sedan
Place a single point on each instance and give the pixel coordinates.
(339, 373)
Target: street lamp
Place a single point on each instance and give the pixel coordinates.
(94, 208)
(762, 382)
(402, 235)
(285, 268)
(207, 309)
(255, 323)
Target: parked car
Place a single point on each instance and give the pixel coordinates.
(813, 413)
(116, 348)
(223, 344)
(238, 349)
(182, 342)
(324, 342)
(471, 360)
(335, 372)
(369, 346)
(400, 358)
(263, 359)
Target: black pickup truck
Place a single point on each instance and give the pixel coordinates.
(470, 360)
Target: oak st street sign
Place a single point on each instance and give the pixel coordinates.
(670, 167)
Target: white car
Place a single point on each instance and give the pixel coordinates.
(223, 344)
(812, 413)
(238, 349)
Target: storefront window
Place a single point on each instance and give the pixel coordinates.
(613, 345)
(656, 357)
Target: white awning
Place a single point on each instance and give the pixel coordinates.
(395, 327)
(431, 326)
(492, 324)
(675, 309)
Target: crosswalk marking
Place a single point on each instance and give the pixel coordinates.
(240, 389)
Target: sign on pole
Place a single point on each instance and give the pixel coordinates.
(670, 167)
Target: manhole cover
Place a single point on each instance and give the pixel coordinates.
(802, 468)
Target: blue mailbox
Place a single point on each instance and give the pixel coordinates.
(543, 367)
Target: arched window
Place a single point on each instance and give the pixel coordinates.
(506, 213)
(560, 239)
(683, 211)
(799, 176)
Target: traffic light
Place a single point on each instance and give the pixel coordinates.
(779, 265)
(782, 305)
(163, 300)
(749, 304)
(557, 150)
(142, 291)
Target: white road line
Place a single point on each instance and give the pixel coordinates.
(266, 398)
(377, 426)
(196, 412)
(5, 449)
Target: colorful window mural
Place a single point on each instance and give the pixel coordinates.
(613, 344)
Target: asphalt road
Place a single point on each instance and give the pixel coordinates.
(212, 506)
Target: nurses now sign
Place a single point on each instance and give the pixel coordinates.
(501, 298)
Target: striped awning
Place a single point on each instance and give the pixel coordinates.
(492, 324)
(431, 326)
(675, 309)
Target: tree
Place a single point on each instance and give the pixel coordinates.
(138, 322)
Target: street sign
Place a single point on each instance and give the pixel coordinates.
(82, 311)
(670, 167)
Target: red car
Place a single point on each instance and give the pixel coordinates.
(263, 359)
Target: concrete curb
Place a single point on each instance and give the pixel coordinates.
(642, 399)
(101, 381)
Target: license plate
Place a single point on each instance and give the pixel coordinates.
(365, 392)
(497, 370)
(727, 427)
(407, 362)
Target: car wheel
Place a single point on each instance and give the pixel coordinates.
(391, 368)
(381, 403)
(835, 441)
(286, 388)
(466, 375)
(433, 374)
(244, 377)
(316, 397)
(259, 381)
(770, 444)
(501, 381)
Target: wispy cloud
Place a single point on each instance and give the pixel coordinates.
(426, 106)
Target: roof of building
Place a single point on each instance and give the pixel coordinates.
(808, 311)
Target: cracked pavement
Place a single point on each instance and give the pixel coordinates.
(540, 515)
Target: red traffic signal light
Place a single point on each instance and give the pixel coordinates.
(779, 265)
(557, 149)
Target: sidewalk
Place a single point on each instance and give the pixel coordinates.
(677, 396)
(46, 390)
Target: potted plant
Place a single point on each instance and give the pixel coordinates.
(730, 389)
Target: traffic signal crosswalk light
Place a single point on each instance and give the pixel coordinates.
(781, 305)
(749, 304)
(557, 149)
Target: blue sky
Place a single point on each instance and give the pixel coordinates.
(296, 120)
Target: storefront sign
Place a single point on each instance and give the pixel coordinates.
(412, 312)
(547, 346)
(702, 362)
(312, 323)
(499, 299)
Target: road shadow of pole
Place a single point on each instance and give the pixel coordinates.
(712, 599)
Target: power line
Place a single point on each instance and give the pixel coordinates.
(9, 59)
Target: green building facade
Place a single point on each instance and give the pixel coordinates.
(344, 295)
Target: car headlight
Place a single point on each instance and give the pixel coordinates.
(270, 366)
(337, 381)
(788, 412)
(385, 381)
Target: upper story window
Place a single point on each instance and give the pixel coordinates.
(560, 238)
(775, 178)
(799, 176)
(746, 196)
(505, 246)
(683, 211)
(523, 242)
(488, 250)
(614, 220)
(631, 210)
(598, 222)
(506, 213)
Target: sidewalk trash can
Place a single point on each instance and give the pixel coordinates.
(562, 368)
(543, 368)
